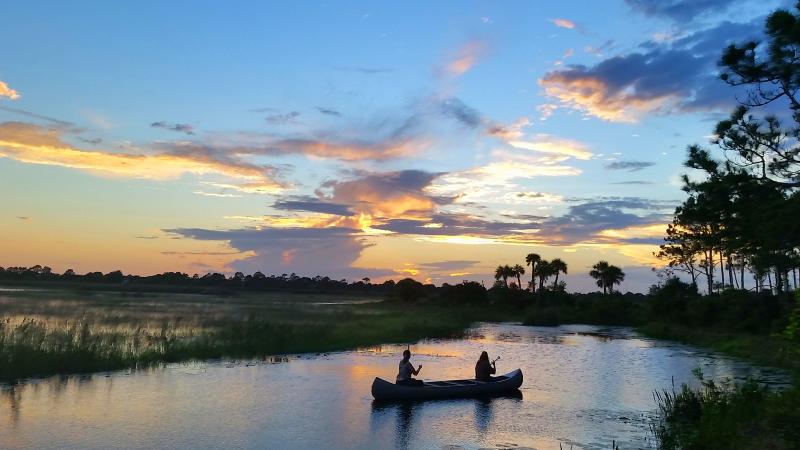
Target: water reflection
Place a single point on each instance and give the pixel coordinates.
(583, 385)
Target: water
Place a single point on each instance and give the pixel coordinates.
(584, 387)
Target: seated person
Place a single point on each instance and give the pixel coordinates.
(484, 369)
(407, 370)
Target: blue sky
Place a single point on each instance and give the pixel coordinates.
(351, 139)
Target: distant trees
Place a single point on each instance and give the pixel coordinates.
(541, 270)
(409, 289)
(607, 275)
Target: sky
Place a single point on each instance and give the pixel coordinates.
(435, 140)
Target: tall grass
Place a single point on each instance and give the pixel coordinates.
(728, 416)
(32, 347)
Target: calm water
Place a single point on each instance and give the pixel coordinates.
(584, 386)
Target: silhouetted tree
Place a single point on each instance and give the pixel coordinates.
(558, 266)
(409, 289)
(532, 259)
(607, 275)
(518, 271)
(502, 272)
(544, 271)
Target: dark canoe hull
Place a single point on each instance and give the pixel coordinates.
(504, 384)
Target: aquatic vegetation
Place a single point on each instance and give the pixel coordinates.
(728, 416)
(34, 347)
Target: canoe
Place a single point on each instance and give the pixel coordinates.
(503, 384)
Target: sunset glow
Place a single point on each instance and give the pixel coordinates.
(371, 142)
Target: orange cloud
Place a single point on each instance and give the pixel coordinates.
(563, 23)
(7, 92)
(545, 143)
(37, 145)
(466, 57)
(592, 95)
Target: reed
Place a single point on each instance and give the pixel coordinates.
(35, 348)
(727, 416)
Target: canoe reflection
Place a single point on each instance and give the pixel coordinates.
(402, 417)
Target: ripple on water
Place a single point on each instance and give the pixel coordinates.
(584, 387)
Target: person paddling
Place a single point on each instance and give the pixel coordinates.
(407, 370)
(484, 368)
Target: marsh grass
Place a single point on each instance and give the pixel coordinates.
(728, 416)
(36, 347)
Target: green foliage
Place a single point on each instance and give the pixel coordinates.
(726, 416)
(792, 331)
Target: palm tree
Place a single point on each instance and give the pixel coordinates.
(532, 259)
(544, 271)
(503, 272)
(606, 275)
(498, 273)
(614, 276)
(598, 273)
(558, 266)
(518, 272)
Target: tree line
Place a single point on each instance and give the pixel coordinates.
(541, 270)
(741, 218)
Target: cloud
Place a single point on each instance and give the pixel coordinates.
(458, 110)
(177, 127)
(52, 121)
(546, 110)
(215, 194)
(634, 182)
(630, 166)
(385, 194)
(7, 92)
(347, 151)
(455, 225)
(34, 144)
(329, 111)
(589, 220)
(310, 251)
(663, 77)
(491, 182)
(312, 204)
(283, 119)
(454, 108)
(465, 58)
(544, 143)
(563, 23)
(448, 266)
(380, 138)
(680, 10)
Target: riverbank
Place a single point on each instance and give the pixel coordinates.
(49, 333)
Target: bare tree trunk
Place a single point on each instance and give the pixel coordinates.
(721, 271)
(794, 277)
(769, 278)
(731, 279)
(741, 272)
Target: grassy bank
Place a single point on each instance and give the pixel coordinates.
(731, 417)
(758, 327)
(35, 347)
